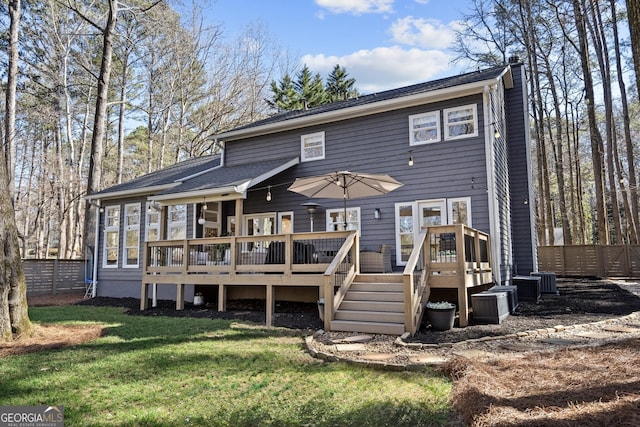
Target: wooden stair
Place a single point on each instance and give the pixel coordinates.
(373, 304)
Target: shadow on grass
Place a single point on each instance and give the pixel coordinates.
(223, 372)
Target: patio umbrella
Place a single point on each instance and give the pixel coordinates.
(344, 185)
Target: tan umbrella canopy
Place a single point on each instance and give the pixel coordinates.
(344, 185)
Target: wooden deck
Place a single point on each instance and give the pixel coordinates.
(443, 257)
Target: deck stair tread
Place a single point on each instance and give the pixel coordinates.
(373, 304)
(370, 327)
(370, 316)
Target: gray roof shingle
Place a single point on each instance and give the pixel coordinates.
(472, 77)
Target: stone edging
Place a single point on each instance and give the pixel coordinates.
(399, 341)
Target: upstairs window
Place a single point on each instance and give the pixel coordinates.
(312, 146)
(461, 122)
(424, 128)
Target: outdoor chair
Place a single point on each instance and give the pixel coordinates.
(376, 262)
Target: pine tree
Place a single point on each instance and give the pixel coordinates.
(339, 87)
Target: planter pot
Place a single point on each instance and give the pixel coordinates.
(198, 300)
(441, 319)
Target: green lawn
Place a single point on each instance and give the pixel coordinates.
(160, 371)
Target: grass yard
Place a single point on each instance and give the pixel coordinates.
(161, 371)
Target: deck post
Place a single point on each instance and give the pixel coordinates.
(144, 296)
(462, 275)
(180, 296)
(463, 300)
(222, 297)
(270, 306)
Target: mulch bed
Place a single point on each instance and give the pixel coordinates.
(578, 301)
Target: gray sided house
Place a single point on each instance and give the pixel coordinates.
(460, 145)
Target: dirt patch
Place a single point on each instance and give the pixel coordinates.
(47, 337)
(43, 300)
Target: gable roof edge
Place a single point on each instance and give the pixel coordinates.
(131, 192)
(361, 110)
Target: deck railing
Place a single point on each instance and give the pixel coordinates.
(339, 276)
(415, 279)
(459, 257)
(280, 253)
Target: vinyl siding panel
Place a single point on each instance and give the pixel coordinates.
(374, 144)
(524, 244)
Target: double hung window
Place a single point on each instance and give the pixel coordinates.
(111, 235)
(312, 146)
(424, 128)
(131, 234)
(461, 122)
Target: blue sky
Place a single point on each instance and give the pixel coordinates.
(383, 44)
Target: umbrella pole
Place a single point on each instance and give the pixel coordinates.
(345, 212)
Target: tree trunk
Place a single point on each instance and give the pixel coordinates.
(95, 160)
(14, 313)
(632, 189)
(633, 13)
(597, 146)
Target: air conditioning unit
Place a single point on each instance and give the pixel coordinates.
(547, 282)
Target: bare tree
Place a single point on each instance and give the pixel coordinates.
(633, 12)
(14, 315)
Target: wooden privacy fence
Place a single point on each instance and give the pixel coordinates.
(591, 260)
(49, 276)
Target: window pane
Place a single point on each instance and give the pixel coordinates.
(112, 239)
(460, 115)
(177, 233)
(461, 129)
(132, 256)
(425, 135)
(112, 257)
(132, 238)
(153, 234)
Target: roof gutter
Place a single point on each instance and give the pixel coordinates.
(230, 192)
(362, 110)
(132, 192)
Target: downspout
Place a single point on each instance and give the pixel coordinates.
(492, 200)
(220, 145)
(94, 273)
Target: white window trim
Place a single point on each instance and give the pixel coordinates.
(413, 205)
(417, 224)
(474, 107)
(450, 203)
(279, 223)
(329, 223)
(151, 210)
(129, 227)
(438, 138)
(109, 229)
(303, 157)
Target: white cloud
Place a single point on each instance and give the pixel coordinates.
(385, 67)
(357, 7)
(425, 33)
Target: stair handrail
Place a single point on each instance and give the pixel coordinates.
(339, 276)
(415, 282)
